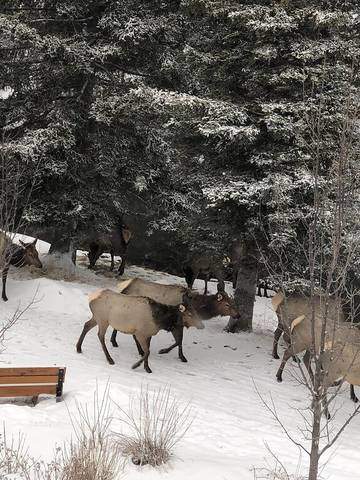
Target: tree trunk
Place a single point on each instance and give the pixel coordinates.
(315, 438)
(245, 290)
(65, 245)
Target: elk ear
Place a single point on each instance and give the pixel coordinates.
(182, 308)
(22, 243)
(219, 297)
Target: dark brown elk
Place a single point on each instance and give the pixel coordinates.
(115, 242)
(138, 316)
(16, 255)
(203, 307)
(205, 265)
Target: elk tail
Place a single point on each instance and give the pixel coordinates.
(296, 322)
(125, 284)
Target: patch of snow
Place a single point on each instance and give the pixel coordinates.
(231, 426)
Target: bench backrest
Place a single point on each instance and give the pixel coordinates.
(18, 382)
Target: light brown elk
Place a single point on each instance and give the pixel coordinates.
(295, 312)
(203, 307)
(138, 316)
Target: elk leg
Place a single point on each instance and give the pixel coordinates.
(266, 290)
(278, 332)
(234, 279)
(121, 268)
(206, 279)
(190, 276)
(259, 291)
(288, 341)
(287, 354)
(145, 345)
(138, 346)
(178, 336)
(307, 363)
(113, 338)
(87, 326)
(101, 335)
(4, 277)
(353, 396)
(112, 260)
(94, 254)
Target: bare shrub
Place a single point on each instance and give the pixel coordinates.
(277, 474)
(92, 454)
(13, 319)
(157, 422)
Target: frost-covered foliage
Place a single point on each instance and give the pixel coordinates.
(195, 115)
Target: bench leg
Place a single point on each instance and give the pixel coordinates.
(59, 388)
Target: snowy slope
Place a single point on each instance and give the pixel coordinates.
(231, 426)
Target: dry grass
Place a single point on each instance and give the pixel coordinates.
(93, 453)
(157, 422)
(277, 473)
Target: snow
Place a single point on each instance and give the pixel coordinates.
(231, 426)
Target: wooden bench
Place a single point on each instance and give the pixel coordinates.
(32, 381)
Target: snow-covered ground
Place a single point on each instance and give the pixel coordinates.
(231, 426)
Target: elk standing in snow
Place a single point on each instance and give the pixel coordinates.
(16, 255)
(115, 242)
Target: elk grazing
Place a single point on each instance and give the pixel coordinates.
(138, 316)
(206, 265)
(16, 255)
(115, 242)
(203, 307)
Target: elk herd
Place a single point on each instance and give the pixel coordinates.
(142, 308)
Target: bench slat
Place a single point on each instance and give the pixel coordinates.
(10, 372)
(27, 390)
(24, 379)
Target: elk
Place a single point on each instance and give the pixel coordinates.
(116, 242)
(294, 307)
(16, 255)
(138, 316)
(340, 359)
(203, 307)
(295, 316)
(206, 265)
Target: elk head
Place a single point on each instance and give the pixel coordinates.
(188, 318)
(31, 255)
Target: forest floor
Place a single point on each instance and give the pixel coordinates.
(231, 428)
